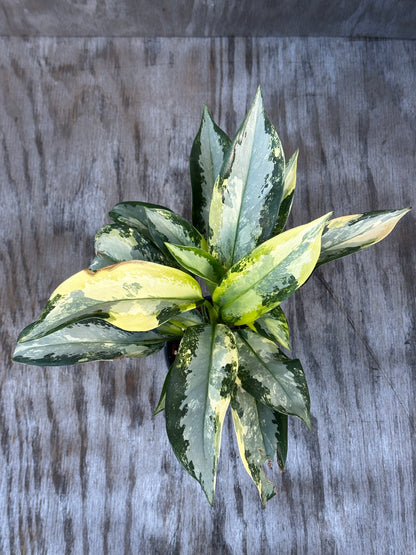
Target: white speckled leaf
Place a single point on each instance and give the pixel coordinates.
(271, 377)
(289, 185)
(197, 261)
(197, 398)
(116, 243)
(274, 326)
(167, 227)
(274, 426)
(133, 214)
(350, 234)
(249, 188)
(260, 432)
(134, 296)
(207, 156)
(86, 340)
(267, 276)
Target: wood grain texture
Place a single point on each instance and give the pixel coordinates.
(205, 18)
(85, 124)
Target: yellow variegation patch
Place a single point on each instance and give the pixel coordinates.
(134, 296)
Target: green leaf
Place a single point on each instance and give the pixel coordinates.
(134, 296)
(167, 227)
(118, 243)
(197, 261)
(260, 432)
(267, 276)
(288, 193)
(271, 377)
(133, 214)
(248, 191)
(86, 340)
(197, 398)
(207, 156)
(273, 325)
(162, 399)
(273, 425)
(350, 234)
(180, 322)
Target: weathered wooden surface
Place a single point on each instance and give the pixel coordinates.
(85, 468)
(206, 18)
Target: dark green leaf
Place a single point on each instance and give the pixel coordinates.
(86, 340)
(133, 214)
(288, 193)
(258, 433)
(271, 377)
(162, 399)
(274, 326)
(117, 243)
(207, 156)
(167, 227)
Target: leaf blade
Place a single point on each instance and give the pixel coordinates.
(289, 185)
(116, 243)
(133, 214)
(167, 227)
(197, 261)
(273, 325)
(261, 433)
(270, 274)
(271, 377)
(85, 341)
(197, 398)
(349, 234)
(207, 156)
(247, 194)
(134, 296)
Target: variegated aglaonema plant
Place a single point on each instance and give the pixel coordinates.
(141, 291)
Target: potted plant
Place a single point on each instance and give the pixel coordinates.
(141, 290)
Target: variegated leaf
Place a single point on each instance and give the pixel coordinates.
(118, 243)
(289, 185)
(207, 156)
(271, 377)
(86, 340)
(167, 227)
(350, 234)
(133, 214)
(198, 261)
(134, 296)
(260, 432)
(249, 188)
(274, 326)
(197, 398)
(179, 323)
(267, 276)
(273, 425)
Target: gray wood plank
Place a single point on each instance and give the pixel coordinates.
(87, 123)
(202, 18)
